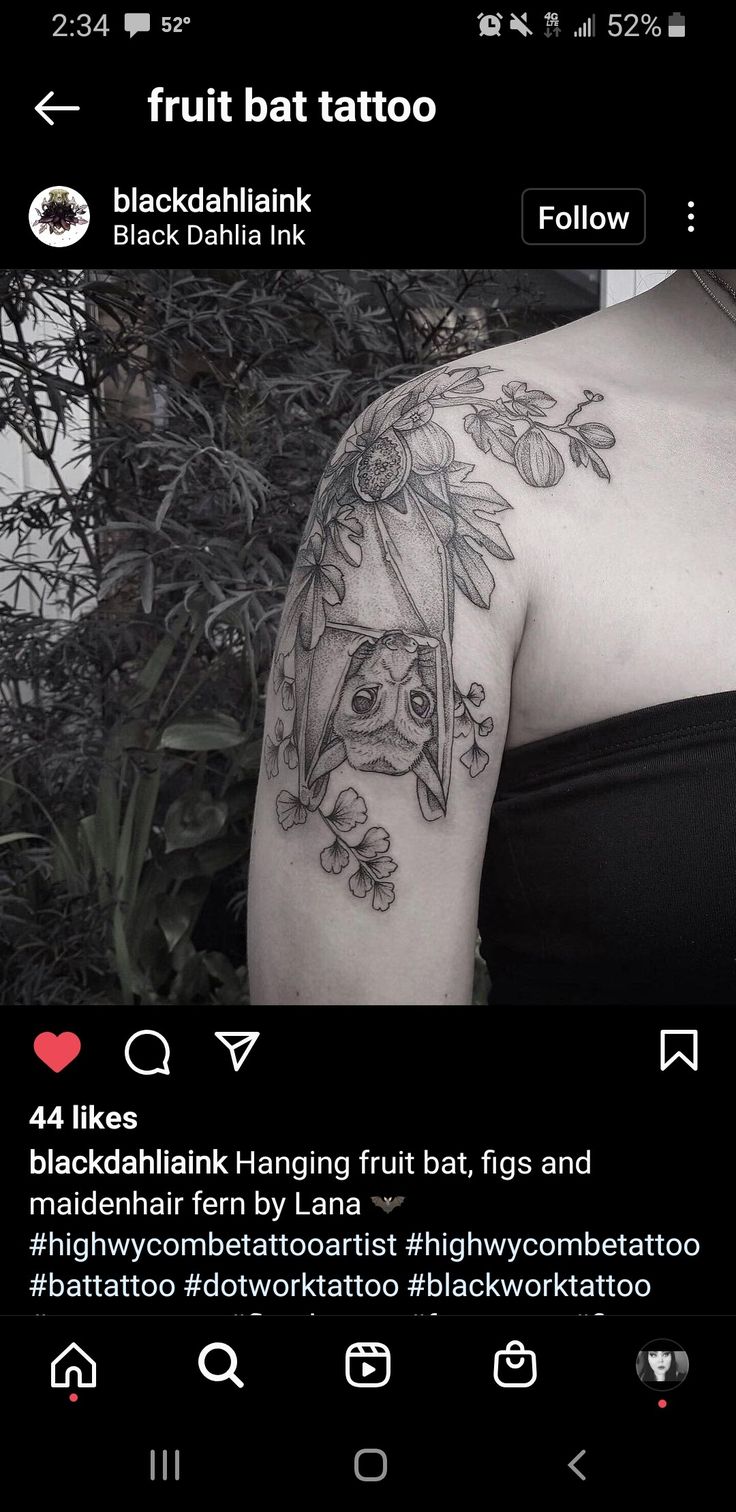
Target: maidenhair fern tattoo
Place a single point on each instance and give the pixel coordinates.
(364, 663)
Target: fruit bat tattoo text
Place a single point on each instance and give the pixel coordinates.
(364, 658)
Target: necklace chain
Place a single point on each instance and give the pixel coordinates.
(722, 284)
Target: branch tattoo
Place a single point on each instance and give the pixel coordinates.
(364, 660)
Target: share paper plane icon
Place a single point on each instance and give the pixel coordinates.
(239, 1043)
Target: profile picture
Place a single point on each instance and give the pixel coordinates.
(662, 1365)
(59, 216)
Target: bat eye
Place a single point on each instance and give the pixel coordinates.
(362, 702)
(421, 702)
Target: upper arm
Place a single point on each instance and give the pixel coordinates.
(386, 713)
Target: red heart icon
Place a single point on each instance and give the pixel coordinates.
(57, 1050)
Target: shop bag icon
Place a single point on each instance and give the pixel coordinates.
(515, 1365)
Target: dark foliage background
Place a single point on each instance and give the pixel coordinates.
(201, 406)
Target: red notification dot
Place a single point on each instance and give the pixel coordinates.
(662, 1402)
(73, 1396)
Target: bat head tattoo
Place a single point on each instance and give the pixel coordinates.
(384, 713)
(384, 717)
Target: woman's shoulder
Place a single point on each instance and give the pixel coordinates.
(594, 347)
(600, 352)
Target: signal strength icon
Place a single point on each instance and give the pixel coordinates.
(587, 29)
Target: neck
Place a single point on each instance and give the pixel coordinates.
(698, 319)
(689, 338)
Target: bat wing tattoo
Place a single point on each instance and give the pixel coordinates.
(364, 658)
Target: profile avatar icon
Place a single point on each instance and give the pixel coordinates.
(662, 1365)
(59, 216)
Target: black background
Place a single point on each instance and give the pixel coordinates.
(390, 1080)
(661, 1159)
(512, 113)
(451, 1435)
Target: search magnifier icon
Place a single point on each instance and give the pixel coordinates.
(226, 1375)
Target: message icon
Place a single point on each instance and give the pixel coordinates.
(678, 1044)
(137, 21)
(238, 1042)
(161, 1065)
(368, 1365)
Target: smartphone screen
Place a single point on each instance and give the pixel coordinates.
(366, 789)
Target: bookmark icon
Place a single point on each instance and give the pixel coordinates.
(678, 1044)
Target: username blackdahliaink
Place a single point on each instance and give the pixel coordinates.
(201, 201)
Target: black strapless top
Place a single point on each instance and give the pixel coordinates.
(610, 870)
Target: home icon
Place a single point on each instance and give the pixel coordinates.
(73, 1368)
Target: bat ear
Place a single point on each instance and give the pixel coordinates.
(430, 792)
(332, 756)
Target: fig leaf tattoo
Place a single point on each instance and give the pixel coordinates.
(364, 662)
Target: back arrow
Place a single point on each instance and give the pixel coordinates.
(572, 1464)
(43, 107)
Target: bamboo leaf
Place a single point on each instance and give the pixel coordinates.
(122, 959)
(175, 917)
(106, 826)
(213, 732)
(145, 795)
(148, 679)
(147, 587)
(163, 508)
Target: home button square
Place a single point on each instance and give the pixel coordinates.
(371, 1465)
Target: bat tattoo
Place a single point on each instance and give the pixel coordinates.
(364, 657)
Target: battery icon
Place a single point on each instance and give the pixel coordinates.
(676, 24)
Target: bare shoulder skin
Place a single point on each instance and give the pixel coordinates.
(508, 546)
(631, 588)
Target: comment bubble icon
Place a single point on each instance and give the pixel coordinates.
(150, 1059)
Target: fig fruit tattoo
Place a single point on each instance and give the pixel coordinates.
(364, 660)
